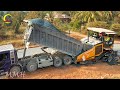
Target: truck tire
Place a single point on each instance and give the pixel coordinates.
(67, 60)
(31, 66)
(57, 61)
(15, 69)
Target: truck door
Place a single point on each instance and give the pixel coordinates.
(3, 60)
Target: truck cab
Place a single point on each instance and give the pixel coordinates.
(8, 57)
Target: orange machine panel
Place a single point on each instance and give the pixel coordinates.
(88, 55)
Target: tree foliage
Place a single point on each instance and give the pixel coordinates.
(103, 19)
(116, 28)
(98, 24)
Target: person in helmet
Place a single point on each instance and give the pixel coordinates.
(101, 38)
(107, 38)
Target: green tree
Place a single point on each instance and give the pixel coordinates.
(92, 16)
(116, 17)
(81, 18)
(106, 16)
(116, 27)
(32, 14)
(17, 18)
(98, 24)
(36, 14)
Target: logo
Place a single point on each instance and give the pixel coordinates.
(7, 19)
(15, 74)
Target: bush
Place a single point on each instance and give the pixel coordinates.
(116, 20)
(3, 35)
(10, 33)
(57, 22)
(21, 29)
(75, 25)
(116, 28)
(98, 24)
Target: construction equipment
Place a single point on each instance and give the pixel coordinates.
(12, 60)
(104, 35)
(44, 33)
(109, 50)
(56, 48)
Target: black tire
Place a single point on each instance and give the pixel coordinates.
(31, 66)
(111, 60)
(15, 69)
(67, 60)
(57, 61)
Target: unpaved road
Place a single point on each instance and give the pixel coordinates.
(95, 71)
(99, 70)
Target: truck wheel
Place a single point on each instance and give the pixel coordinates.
(57, 62)
(15, 69)
(67, 60)
(31, 66)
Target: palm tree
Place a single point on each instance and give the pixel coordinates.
(106, 15)
(92, 16)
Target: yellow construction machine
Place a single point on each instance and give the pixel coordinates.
(98, 45)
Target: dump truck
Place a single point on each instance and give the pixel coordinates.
(57, 49)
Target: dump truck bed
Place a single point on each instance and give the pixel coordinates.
(44, 33)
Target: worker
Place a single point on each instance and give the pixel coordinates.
(108, 40)
(101, 37)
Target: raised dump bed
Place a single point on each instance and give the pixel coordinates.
(44, 33)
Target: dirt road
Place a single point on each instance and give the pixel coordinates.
(99, 70)
(94, 71)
